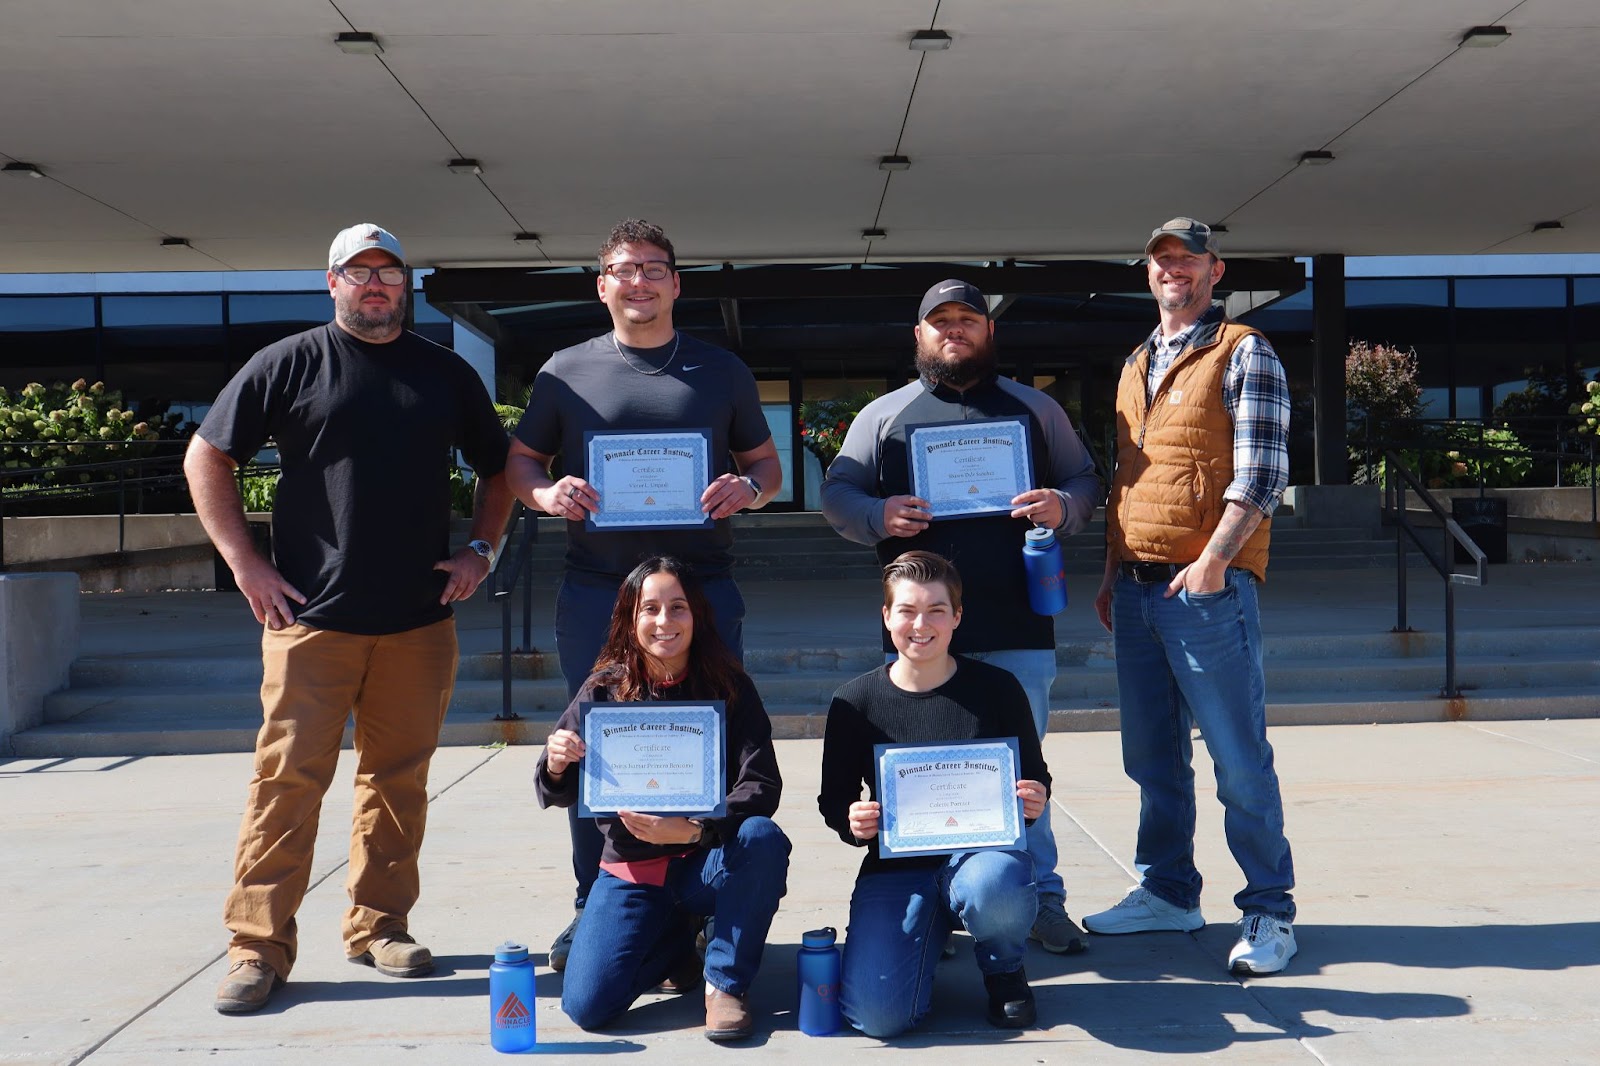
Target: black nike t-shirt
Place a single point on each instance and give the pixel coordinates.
(366, 435)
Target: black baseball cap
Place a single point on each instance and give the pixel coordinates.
(1194, 235)
(953, 291)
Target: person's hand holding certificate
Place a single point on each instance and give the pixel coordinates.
(963, 469)
(937, 799)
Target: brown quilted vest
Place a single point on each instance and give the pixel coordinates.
(1175, 457)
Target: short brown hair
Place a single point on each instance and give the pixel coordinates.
(922, 568)
(637, 231)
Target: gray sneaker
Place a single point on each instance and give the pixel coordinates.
(1142, 911)
(562, 946)
(1055, 930)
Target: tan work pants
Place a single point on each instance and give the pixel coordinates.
(398, 686)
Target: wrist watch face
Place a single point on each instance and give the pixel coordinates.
(483, 548)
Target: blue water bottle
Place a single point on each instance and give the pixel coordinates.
(511, 1026)
(818, 964)
(1047, 574)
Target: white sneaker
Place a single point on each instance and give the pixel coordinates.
(1266, 944)
(1141, 911)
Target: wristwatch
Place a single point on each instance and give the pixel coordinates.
(700, 824)
(483, 548)
(755, 486)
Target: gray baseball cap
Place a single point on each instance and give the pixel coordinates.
(953, 291)
(1195, 235)
(358, 238)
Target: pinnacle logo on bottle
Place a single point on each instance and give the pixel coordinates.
(513, 1014)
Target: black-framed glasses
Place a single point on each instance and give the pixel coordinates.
(653, 270)
(360, 275)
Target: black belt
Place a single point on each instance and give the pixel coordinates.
(1152, 573)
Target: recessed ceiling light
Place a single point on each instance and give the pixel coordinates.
(174, 242)
(1321, 157)
(23, 170)
(894, 162)
(1540, 227)
(359, 44)
(874, 234)
(930, 41)
(465, 166)
(526, 238)
(1484, 36)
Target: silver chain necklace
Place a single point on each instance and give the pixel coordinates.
(677, 338)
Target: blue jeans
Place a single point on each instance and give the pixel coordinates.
(898, 923)
(1035, 668)
(1196, 660)
(632, 935)
(583, 617)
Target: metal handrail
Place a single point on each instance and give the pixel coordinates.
(504, 579)
(1397, 477)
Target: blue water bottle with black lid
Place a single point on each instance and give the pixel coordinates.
(1047, 573)
(818, 966)
(511, 1025)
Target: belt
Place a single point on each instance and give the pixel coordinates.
(1151, 573)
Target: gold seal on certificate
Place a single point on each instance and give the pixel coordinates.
(965, 469)
(648, 480)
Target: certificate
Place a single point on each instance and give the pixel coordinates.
(655, 758)
(965, 469)
(943, 798)
(649, 480)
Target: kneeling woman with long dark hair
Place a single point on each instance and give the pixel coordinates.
(660, 875)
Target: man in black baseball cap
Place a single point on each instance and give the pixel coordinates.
(1191, 233)
(867, 498)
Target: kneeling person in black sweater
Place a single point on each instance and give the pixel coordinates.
(902, 909)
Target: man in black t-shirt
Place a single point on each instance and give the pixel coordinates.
(643, 376)
(355, 602)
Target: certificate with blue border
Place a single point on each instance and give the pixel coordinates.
(966, 469)
(656, 758)
(648, 480)
(942, 798)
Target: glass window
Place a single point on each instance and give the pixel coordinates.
(1408, 313)
(1511, 292)
(257, 320)
(163, 350)
(46, 338)
(1397, 292)
(1586, 326)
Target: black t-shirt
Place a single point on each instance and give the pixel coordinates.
(979, 702)
(366, 435)
(591, 387)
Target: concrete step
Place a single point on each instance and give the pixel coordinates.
(180, 729)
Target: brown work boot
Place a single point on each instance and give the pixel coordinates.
(687, 974)
(727, 1016)
(397, 955)
(247, 987)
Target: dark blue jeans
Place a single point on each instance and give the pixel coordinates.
(1196, 660)
(632, 935)
(583, 616)
(898, 923)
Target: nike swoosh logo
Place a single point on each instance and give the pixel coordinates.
(692, 366)
(949, 288)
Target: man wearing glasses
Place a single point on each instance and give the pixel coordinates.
(642, 376)
(366, 417)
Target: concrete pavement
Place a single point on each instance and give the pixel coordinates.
(1449, 914)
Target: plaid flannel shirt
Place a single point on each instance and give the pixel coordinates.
(1257, 396)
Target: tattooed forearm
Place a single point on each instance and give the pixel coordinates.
(1238, 522)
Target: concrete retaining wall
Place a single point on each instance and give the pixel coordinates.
(39, 623)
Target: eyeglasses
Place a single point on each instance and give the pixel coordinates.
(360, 275)
(654, 270)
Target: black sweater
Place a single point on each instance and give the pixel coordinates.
(752, 763)
(979, 702)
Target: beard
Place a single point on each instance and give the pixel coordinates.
(373, 324)
(958, 372)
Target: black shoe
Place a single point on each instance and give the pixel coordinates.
(563, 943)
(1011, 1003)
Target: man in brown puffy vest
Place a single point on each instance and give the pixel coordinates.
(1202, 460)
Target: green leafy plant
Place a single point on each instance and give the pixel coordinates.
(259, 490)
(1380, 383)
(1588, 409)
(57, 426)
(1488, 455)
(824, 423)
